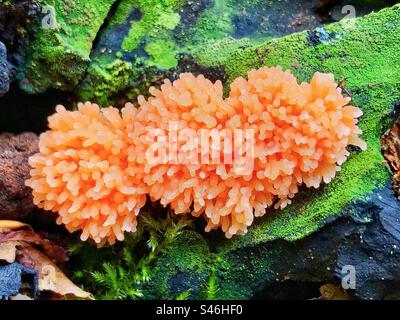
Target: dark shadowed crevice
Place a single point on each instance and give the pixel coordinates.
(105, 24)
(21, 112)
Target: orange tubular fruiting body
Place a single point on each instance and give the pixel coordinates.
(85, 173)
(95, 166)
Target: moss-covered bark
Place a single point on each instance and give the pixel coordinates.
(155, 39)
(58, 57)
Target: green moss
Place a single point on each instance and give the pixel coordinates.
(211, 290)
(57, 58)
(181, 270)
(120, 271)
(214, 23)
(152, 35)
(162, 54)
(105, 81)
(217, 52)
(122, 12)
(154, 29)
(157, 17)
(243, 273)
(148, 46)
(169, 20)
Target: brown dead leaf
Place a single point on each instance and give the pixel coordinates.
(8, 251)
(391, 151)
(52, 250)
(12, 225)
(391, 145)
(19, 243)
(51, 278)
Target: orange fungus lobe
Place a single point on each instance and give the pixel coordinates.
(95, 167)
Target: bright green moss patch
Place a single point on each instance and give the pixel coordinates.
(157, 17)
(105, 81)
(214, 23)
(146, 33)
(162, 54)
(181, 270)
(153, 36)
(139, 34)
(57, 58)
(122, 12)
